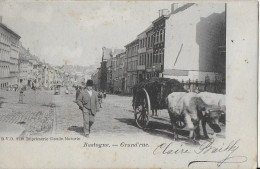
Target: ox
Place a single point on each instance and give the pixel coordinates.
(191, 109)
(215, 100)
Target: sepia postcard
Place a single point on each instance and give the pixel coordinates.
(128, 84)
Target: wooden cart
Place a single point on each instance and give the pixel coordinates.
(150, 95)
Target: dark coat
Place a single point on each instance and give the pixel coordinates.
(77, 93)
(84, 101)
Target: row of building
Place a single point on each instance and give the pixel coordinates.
(35, 73)
(187, 43)
(20, 68)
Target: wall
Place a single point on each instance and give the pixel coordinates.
(185, 48)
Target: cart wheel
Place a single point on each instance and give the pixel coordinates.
(133, 103)
(142, 111)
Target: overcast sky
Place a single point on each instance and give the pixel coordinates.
(77, 31)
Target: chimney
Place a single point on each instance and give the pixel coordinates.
(163, 12)
(174, 6)
(1, 19)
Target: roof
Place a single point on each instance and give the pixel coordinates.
(161, 17)
(182, 8)
(147, 29)
(9, 30)
(120, 54)
(117, 51)
(107, 52)
(129, 44)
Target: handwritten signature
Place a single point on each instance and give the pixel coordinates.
(226, 150)
(230, 149)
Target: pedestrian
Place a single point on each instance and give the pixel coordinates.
(87, 100)
(105, 94)
(21, 96)
(100, 98)
(197, 90)
(79, 89)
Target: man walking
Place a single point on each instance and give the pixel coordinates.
(21, 96)
(87, 100)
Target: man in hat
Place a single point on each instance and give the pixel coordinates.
(87, 100)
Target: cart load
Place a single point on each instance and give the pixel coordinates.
(151, 95)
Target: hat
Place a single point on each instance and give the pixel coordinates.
(90, 83)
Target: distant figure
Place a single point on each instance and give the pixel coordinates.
(34, 88)
(78, 90)
(87, 100)
(67, 90)
(21, 96)
(197, 90)
(105, 94)
(100, 98)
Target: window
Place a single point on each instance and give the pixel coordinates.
(148, 42)
(160, 54)
(158, 36)
(144, 59)
(151, 59)
(161, 35)
(147, 62)
(151, 41)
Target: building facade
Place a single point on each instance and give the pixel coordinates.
(197, 51)
(132, 61)
(159, 43)
(187, 43)
(25, 72)
(119, 79)
(145, 54)
(9, 53)
(95, 77)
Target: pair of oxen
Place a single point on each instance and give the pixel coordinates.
(192, 108)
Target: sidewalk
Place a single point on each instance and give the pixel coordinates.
(10, 130)
(33, 116)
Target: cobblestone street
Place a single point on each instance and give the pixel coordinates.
(33, 114)
(115, 119)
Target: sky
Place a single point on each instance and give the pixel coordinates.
(76, 31)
